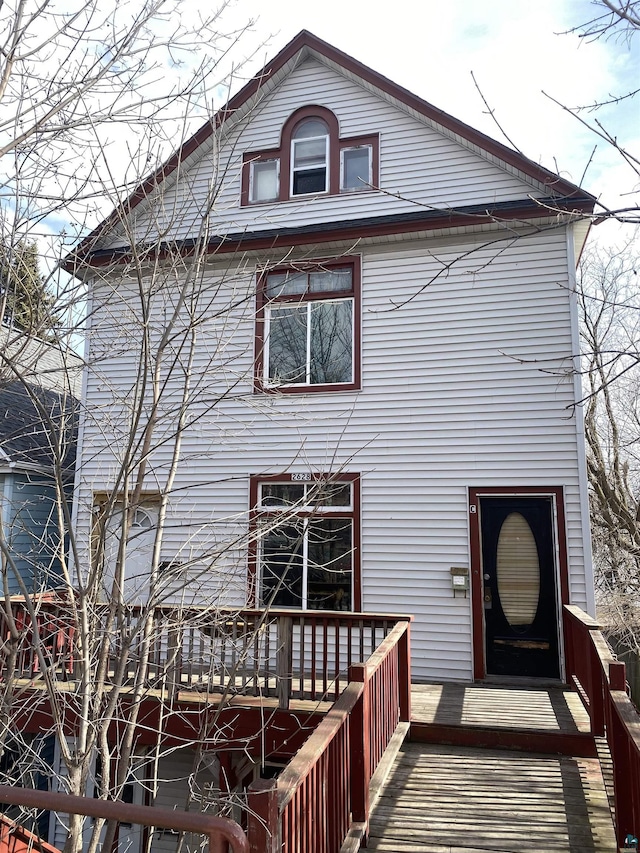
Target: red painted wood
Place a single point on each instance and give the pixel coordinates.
(220, 830)
(404, 674)
(360, 755)
(326, 783)
(602, 680)
(16, 839)
(264, 818)
(617, 676)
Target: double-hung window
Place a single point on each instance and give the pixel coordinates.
(309, 318)
(310, 158)
(307, 542)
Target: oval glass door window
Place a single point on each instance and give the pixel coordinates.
(518, 572)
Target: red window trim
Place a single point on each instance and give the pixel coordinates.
(355, 261)
(283, 154)
(255, 513)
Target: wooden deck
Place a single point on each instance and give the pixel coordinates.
(552, 709)
(456, 798)
(548, 719)
(441, 799)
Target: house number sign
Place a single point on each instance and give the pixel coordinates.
(297, 478)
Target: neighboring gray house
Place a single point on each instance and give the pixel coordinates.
(37, 455)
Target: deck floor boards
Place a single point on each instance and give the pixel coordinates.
(547, 709)
(441, 799)
(464, 799)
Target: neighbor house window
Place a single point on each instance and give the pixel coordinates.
(308, 327)
(308, 541)
(312, 159)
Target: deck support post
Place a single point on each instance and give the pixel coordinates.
(284, 660)
(263, 829)
(404, 672)
(359, 747)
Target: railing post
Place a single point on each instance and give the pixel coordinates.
(568, 631)
(174, 660)
(622, 774)
(359, 748)
(264, 819)
(617, 676)
(595, 688)
(284, 660)
(404, 673)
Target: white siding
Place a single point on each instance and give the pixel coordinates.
(467, 382)
(422, 166)
(179, 789)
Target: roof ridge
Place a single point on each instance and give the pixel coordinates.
(307, 40)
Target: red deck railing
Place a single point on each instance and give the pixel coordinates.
(275, 653)
(601, 682)
(223, 834)
(362, 661)
(323, 794)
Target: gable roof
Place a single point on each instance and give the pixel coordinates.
(567, 195)
(28, 416)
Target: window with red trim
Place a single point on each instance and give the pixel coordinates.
(308, 327)
(312, 160)
(308, 541)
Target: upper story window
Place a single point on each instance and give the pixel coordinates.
(264, 180)
(310, 157)
(313, 159)
(308, 327)
(356, 168)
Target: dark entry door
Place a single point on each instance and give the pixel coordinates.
(519, 586)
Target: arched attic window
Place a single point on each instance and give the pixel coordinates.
(312, 160)
(310, 157)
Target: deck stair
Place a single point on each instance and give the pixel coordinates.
(490, 769)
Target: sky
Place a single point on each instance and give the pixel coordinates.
(519, 52)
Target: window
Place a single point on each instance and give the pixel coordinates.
(126, 566)
(312, 160)
(308, 327)
(308, 546)
(264, 180)
(355, 168)
(310, 157)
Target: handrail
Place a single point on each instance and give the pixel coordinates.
(323, 794)
(601, 682)
(301, 764)
(220, 830)
(280, 653)
(360, 660)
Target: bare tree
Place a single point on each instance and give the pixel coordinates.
(610, 313)
(617, 21)
(89, 99)
(131, 593)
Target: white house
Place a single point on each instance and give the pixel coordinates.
(358, 316)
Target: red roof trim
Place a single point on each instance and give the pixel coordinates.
(308, 40)
(352, 230)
